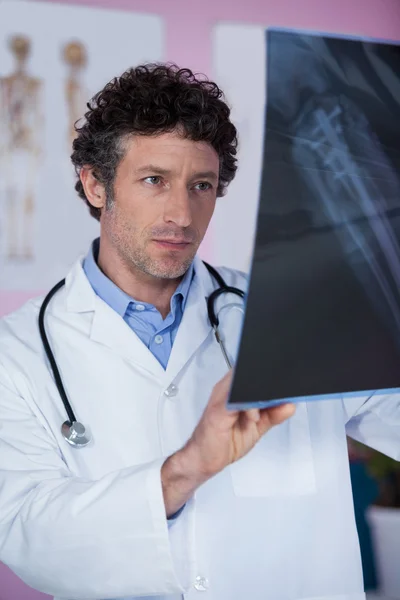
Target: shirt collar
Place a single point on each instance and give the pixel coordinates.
(116, 298)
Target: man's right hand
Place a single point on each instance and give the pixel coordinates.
(221, 437)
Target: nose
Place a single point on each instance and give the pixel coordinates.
(177, 208)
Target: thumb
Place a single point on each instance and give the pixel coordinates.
(277, 414)
(221, 389)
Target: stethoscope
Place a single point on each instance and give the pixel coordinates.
(74, 432)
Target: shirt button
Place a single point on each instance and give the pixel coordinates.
(139, 307)
(159, 339)
(201, 583)
(171, 390)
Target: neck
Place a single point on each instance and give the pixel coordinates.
(137, 284)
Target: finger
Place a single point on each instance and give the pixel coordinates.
(269, 417)
(280, 413)
(226, 381)
(253, 414)
(221, 389)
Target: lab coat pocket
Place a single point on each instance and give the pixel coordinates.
(280, 464)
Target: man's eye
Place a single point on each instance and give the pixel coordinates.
(153, 180)
(203, 186)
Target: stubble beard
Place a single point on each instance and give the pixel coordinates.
(136, 256)
(169, 268)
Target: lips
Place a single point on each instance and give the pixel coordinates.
(173, 244)
(172, 241)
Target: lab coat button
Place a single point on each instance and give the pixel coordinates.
(201, 583)
(171, 390)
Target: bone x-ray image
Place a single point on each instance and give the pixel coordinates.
(323, 307)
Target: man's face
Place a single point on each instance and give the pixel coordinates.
(164, 197)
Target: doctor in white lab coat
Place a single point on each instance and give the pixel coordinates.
(175, 497)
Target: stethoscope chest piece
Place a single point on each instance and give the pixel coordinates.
(75, 434)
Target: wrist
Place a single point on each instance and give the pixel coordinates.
(192, 464)
(185, 467)
(180, 477)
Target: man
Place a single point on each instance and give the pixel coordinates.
(175, 496)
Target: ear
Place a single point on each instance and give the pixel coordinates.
(94, 190)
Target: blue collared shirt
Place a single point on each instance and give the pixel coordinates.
(144, 319)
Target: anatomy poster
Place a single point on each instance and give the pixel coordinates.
(323, 310)
(52, 61)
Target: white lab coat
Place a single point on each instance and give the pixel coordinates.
(90, 523)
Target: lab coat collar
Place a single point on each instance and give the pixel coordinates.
(80, 297)
(109, 329)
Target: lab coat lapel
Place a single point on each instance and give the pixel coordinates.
(195, 326)
(106, 326)
(110, 329)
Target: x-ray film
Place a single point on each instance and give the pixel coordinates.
(322, 316)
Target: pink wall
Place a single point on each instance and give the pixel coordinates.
(188, 42)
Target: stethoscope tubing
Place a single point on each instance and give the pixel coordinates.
(72, 430)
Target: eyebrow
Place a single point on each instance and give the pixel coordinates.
(160, 171)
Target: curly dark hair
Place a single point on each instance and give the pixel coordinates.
(152, 99)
